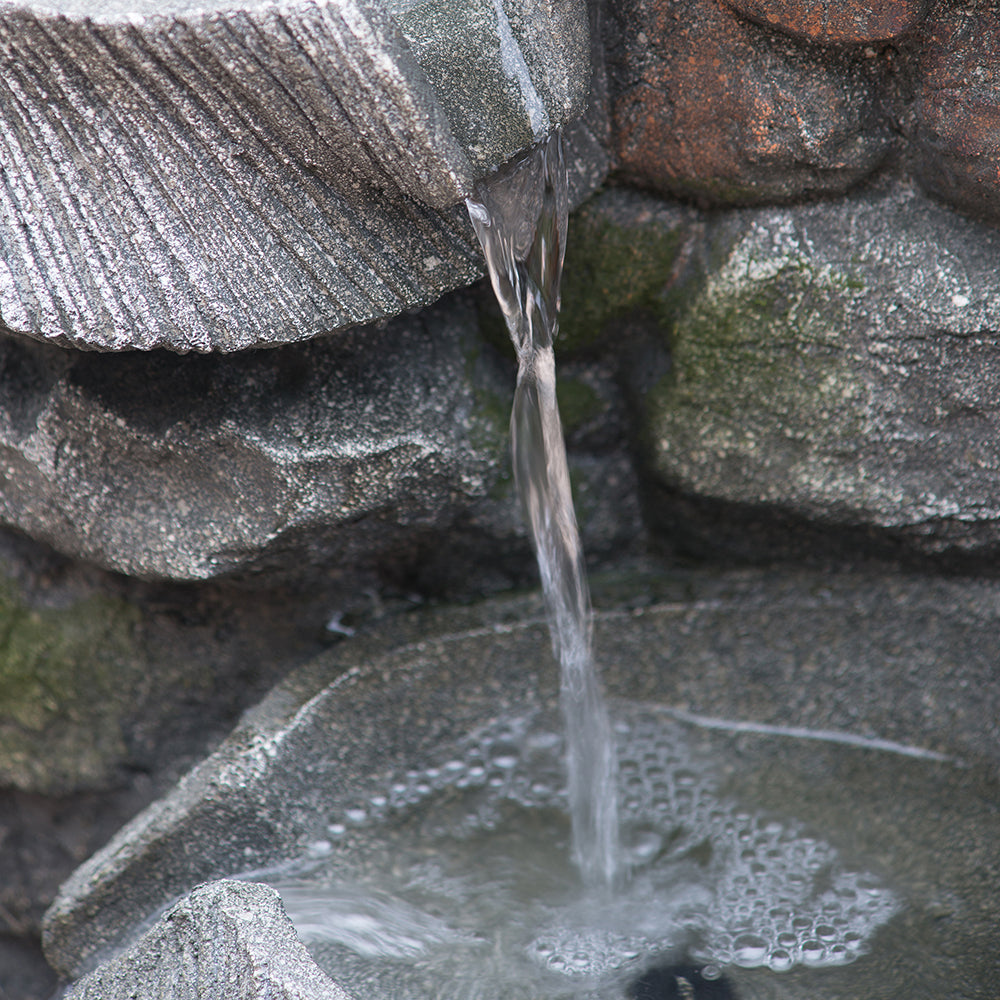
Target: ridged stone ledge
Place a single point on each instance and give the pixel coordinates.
(222, 176)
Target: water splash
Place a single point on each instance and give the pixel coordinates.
(521, 218)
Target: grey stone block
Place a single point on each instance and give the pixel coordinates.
(838, 363)
(209, 177)
(346, 457)
(341, 452)
(224, 941)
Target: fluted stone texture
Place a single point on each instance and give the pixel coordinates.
(225, 940)
(209, 178)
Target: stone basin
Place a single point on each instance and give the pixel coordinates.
(829, 676)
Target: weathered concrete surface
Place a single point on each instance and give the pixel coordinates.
(227, 940)
(955, 116)
(712, 107)
(849, 22)
(903, 658)
(836, 363)
(208, 178)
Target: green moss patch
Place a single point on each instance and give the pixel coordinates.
(620, 260)
(764, 398)
(67, 678)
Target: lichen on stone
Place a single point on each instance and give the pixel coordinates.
(763, 389)
(66, 681)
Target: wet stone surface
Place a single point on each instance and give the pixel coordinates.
(848, 657)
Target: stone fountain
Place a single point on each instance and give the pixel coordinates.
(779, 384)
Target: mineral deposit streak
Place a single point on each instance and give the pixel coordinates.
(521, 221)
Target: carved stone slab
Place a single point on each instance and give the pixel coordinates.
(216, 176)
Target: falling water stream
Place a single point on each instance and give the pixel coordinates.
(521, 221)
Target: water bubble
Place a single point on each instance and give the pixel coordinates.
(813, 952)
(336, 829)
(749, 950)
(780, 960)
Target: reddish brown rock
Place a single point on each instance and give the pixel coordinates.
(712, 107)
(956, 112)
(840, 21)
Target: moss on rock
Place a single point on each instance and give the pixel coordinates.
(623, 257)
(622, 254)
(67, 679)
(764, 399)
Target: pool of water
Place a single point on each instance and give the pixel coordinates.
(781, 864)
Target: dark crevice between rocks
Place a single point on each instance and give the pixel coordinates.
(702, 531)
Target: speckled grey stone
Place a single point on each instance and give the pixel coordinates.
(838, 363)
(215, 177)
(899, 658)
(382, 450)
(226, 940)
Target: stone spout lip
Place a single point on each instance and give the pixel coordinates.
(914, 667)
(218, 176)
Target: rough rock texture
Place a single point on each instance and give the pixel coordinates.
(836, 21)
(347, 455)
(902, 658)
(204, 178)
(192, 467)
(224, 941)
(712, 107)
(836, 363)
(955, 115)
(106, 680)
